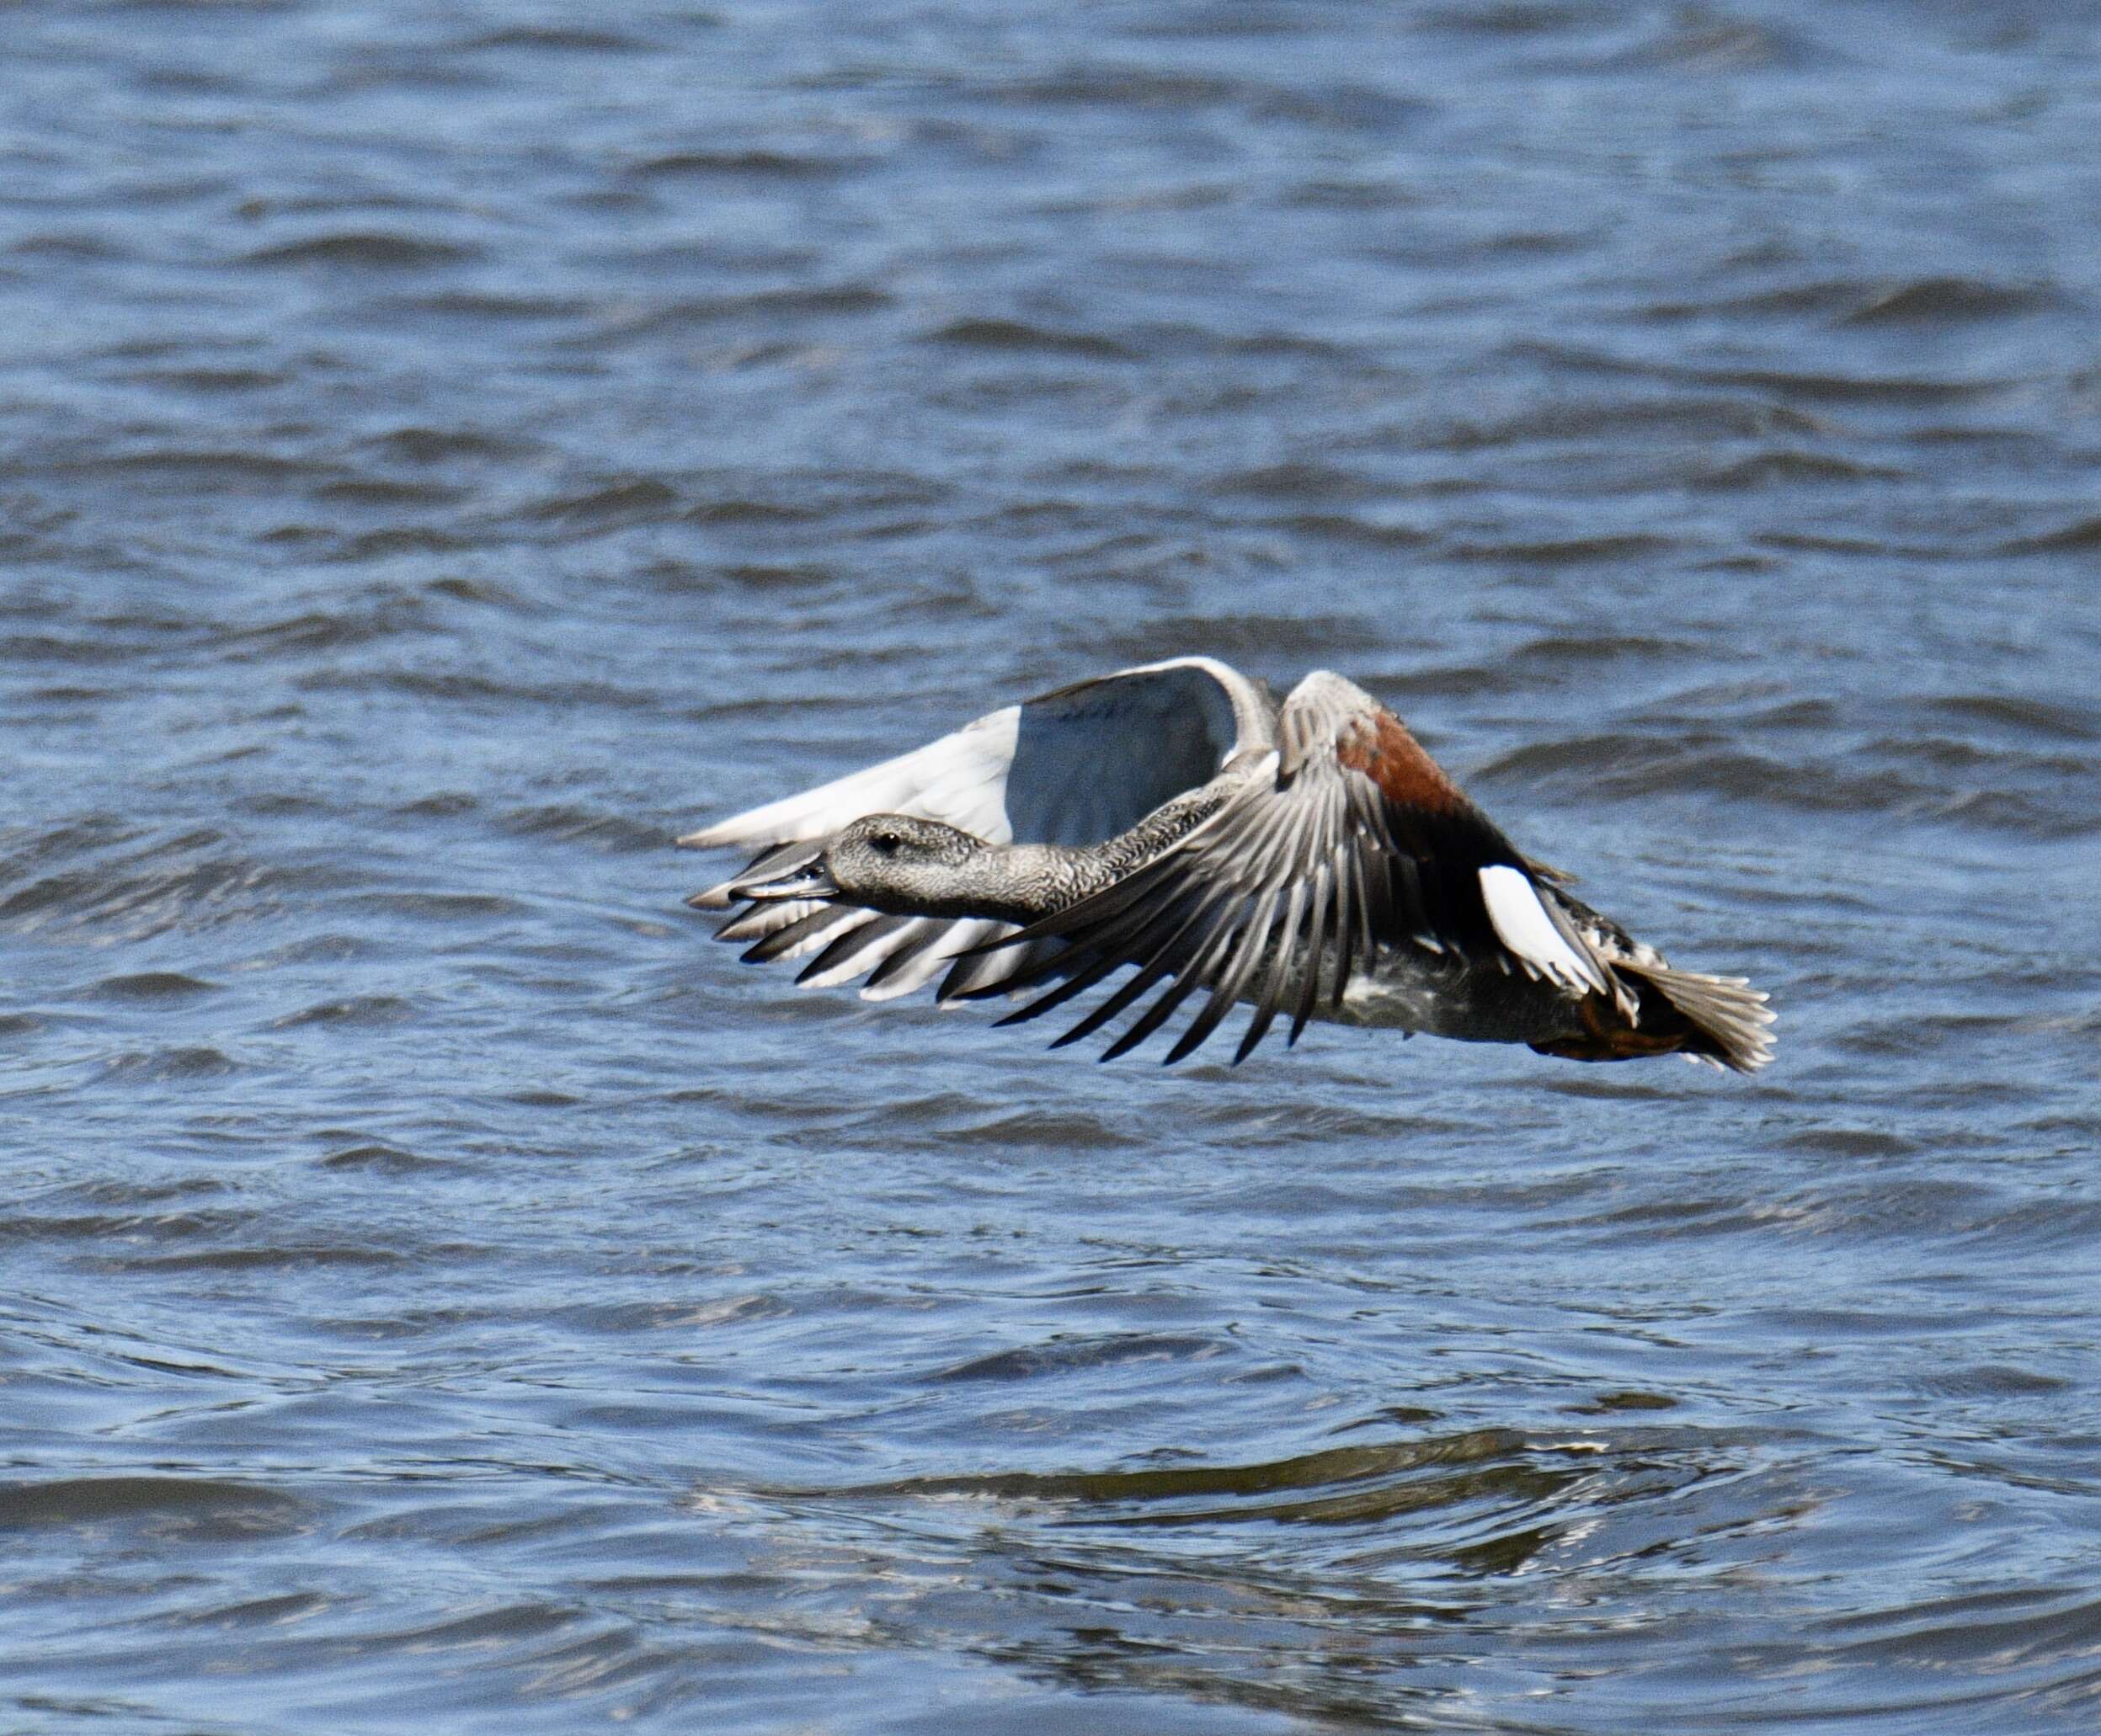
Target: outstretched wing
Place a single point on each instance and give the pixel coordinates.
(1072, 767)
(1345, 837)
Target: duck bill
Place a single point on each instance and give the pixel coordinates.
(814, 882)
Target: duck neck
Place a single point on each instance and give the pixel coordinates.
(1020, 882)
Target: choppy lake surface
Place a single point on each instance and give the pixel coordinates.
(445, 452)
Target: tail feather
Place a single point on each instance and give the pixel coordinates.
(1727, 1012)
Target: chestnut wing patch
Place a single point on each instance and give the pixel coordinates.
(1350, 839)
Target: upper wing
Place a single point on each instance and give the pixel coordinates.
(1346, 837)
(1074, 767)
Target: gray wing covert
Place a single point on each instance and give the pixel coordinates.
(1093, 759)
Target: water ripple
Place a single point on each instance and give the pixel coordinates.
(444, 461)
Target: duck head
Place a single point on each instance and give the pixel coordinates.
(889, 862)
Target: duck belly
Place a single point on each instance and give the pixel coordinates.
(1407, 989)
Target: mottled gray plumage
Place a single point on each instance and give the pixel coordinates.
(1315, 862)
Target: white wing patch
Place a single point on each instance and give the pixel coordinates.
(960, 780)
(1522, 923)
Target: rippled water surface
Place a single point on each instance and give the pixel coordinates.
(447, 451)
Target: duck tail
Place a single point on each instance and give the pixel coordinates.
(1730, 1023)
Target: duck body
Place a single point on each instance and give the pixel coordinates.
(1174, 827)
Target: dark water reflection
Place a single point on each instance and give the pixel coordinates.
(446, 453)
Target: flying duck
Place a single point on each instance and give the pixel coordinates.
(1309, 860)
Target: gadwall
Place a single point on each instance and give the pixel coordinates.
(1308, 858)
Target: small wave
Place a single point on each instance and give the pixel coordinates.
(1039, 1130)
(1679, 420)
(1441, 681)
(177, 1510)
(372, 617)
(1067, 1356)
(639, 499)
(2081, 536)
(1352, 194)
(357, 1009)
(1990, 1379)
(382, 1159)
(1290, 345)
(1579, 648)
(1947, 301)
(1906, 390)
(1850, 1143)
(805, 580)
(1903, 388)
(259, 1612)
(102, 1229)
(1329, 1466)
(1848, 302)
(472, 687)
(1826, 296)
(1250, 634)
(1295, 480)
(753, 164)
(189, 883)
(27, 847)
(556, 39)
(1019, 337)
(1620, 1403)
(1820, 542)
(438, 446)
(476, 1635)
(416, 71)
(215, 381)
(1793, 469)
(61, 244)
(570, 824)
(1344, 106)
(439, 805)
(622, 1319)
(386, 492)
(1948, 756)
(2057, 1222)
(487, 304)
(1889, 1207)
(368, 250)
(1487, 1499)
(1606, 1089)
(178, 1065)
(290, 1257)
(1567, 551)
(2021, 714)
(1699, 763)
(757, 306)
(1505, 18)
(749, 512)
(391, 544)
(1355, 528)
(2016, 1632)
(1702, 1219)
(207, 466)
(152, 986)
(1700, 40)
(1122, 86)
(443, 907)
(456, 588)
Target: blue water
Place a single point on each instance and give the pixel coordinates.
(446, 453)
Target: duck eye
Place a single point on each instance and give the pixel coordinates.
(884, 843)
